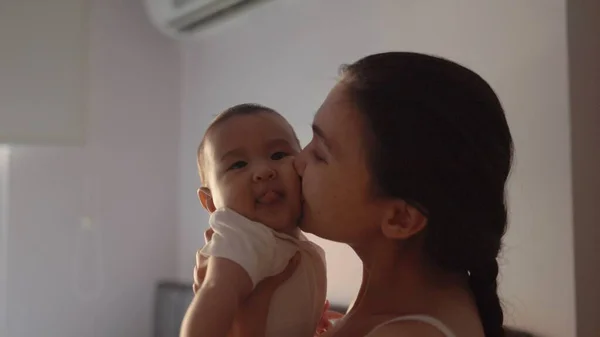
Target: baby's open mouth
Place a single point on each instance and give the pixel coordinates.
(269, 197)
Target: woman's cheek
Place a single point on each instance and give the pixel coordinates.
(308, 180)
(318, 191)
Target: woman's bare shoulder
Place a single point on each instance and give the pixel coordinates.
(406, 329)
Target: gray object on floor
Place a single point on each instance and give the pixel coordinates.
(170, 304)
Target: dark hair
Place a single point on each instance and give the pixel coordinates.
(236, 110)
(437, 136)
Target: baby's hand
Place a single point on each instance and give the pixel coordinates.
(326, 318)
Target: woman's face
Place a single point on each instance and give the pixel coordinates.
(338, 202)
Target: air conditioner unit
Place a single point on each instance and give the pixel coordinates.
(178, 18)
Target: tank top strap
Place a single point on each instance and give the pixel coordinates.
(436, 323)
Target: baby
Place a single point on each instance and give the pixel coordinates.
(253, 193)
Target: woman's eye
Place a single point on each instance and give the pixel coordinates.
(238, 165)
(317, 156)
(279, 155)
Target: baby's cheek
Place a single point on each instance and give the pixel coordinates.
(287, 171)
(291, 178)
(287, 164)
(218, 198)
(235, 199)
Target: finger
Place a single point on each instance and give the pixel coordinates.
(196, 275)
(332, 315)
(200, 259)
(289, 269)
(200, 270)
(200, 267)
(208, 235)
(270, 284)
(294, 262)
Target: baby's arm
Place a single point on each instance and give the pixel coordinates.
(213, 309)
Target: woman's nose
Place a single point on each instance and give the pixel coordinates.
(300, 162)
(264, 173)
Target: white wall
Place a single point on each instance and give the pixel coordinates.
(44, 48)
(286, 54)
(68, 280)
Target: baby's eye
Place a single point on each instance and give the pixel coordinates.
(238, 165)
(279, 155)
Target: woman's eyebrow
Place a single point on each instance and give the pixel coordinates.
(319, 133)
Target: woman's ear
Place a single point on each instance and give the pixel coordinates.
(206, 199)
(402, 221)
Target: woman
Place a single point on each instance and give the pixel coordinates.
(408, 165)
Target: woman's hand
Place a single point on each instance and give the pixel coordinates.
(251, 319)
(201, 263)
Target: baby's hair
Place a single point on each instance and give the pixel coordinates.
(244, 109)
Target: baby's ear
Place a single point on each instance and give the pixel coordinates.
(206, 199)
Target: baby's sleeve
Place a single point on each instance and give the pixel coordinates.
(247, 243)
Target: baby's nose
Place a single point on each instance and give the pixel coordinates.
(265, 173)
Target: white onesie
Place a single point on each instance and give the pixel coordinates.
(297, 305)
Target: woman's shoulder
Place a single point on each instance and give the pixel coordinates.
(412, 326)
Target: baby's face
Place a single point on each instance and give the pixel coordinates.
(248, 163)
